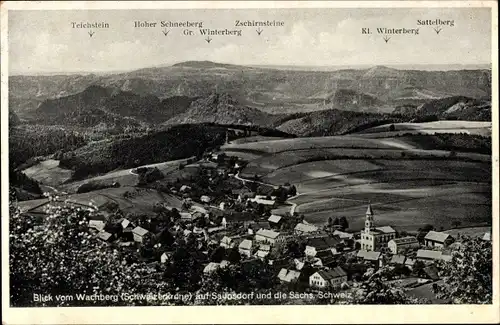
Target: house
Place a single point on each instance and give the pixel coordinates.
(211, 268)
(205, 199)
(374, 258)
(124, 222)
(431, 272)
(226, 242)
(343, 235)
(139, 234)
(187, 232)
(263, 201)
(185, 188)
(320, 244)
(254, 226)
(303, 228)
(263, 251)
(328, 278)
(428, 255)
(288, 276)
(275, 221)
(97, 224)
(398, 245)
(373, 238)
(409, 263)
(269, 236)
(245, 248)
(324, 258)
(104, 236)
(186, 216)
(397, 260)
(438, 239)
(298, 264)
(486, 236)
(165, 257)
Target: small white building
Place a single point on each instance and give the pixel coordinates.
(429, 255)
(303, 228)
(97, 224)
(205, 199)
(328, 278)
(263, 201)
(227, 242)
(211, 268)
(288, 276)
(398, 245)
(438, 239)
(263, 251)
(269, 236)
(139, 234)
(245, 247)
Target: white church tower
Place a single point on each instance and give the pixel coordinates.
(369, 225)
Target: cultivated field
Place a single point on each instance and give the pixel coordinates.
(468, 127)
(126, 177)
(406, 185)
(48, 172)
(137, 200)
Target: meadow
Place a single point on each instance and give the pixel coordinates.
(408, 185)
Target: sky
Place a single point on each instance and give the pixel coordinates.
(44, 42)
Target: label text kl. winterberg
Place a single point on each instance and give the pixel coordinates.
(384, 30)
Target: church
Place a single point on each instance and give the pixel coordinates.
(373, 238)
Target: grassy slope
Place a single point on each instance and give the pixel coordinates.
(406, 192)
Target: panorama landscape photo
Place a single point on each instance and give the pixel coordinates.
(290, 166)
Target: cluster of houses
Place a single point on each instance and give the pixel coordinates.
(320, 257)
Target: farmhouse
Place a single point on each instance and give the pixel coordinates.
(343, 235)
(288, 276)
(486, 236)
(211, 267)
(263, 251)
(263, 201)
(139, 234)
(372, 239)
(328, 278)
(226, 242)
(438, 239)
(374, 258)
(165, 257)
(398, 245)
(269, 236)
(397, 260)
(275, 220)
(97, 224)
(245, 248)
(302, 228)
(104, 236)
(428, 255)
(320, 244)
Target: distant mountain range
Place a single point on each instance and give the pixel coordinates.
(269, 89)
(307, 102)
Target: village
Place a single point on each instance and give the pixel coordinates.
(229, 222)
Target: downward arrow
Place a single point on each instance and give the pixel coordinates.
(259, 31)
(438, 29)
(91, 33)
(386, 39)
(165, 32)
(208, 39)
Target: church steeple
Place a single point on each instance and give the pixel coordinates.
(369, 219)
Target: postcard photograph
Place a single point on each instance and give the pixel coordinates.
(258, 156)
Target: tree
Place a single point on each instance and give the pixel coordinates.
(61, 257)
(336, 222)
(330, 222)
(343, 223)
(468, 276)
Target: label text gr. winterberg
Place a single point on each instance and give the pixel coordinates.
(254, 23)
(223, 32)
(384, 30)
(89, 25)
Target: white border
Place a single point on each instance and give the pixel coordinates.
(247, 314)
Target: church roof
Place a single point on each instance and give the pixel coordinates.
(369, 209)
